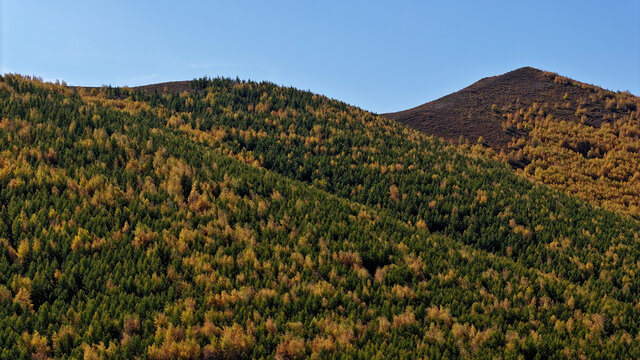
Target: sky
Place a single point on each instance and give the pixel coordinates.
(381, 56)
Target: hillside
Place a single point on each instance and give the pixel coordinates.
(246, 220)
(576, 137)
(471, 113)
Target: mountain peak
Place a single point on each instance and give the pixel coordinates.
(526, 69)
(479, 109)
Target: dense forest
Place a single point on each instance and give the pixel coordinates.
(246, 220)
(596, 158)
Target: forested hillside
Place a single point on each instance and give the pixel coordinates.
(244, 220)
(573, 136)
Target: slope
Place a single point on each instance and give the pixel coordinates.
(475, 111)
(576, 137)
(245, 220)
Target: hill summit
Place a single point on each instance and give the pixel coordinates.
(474, 111)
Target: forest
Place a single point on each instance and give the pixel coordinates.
(594, 154)
(243, 220)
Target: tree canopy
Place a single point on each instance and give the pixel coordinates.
(246, 220)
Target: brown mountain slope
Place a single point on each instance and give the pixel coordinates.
(170, 87)
(478, 110)
(575, 137)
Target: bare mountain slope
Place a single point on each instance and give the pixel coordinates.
(478, 110)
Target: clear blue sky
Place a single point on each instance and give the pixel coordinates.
(379, 55)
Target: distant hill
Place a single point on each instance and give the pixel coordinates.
(573, 136)
(477, 109)
(169, 87)
(175, 87)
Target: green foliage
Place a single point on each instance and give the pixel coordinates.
(246, 220)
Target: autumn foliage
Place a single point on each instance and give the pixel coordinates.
(240, 220)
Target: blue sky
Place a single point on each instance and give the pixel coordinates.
(378, 55)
